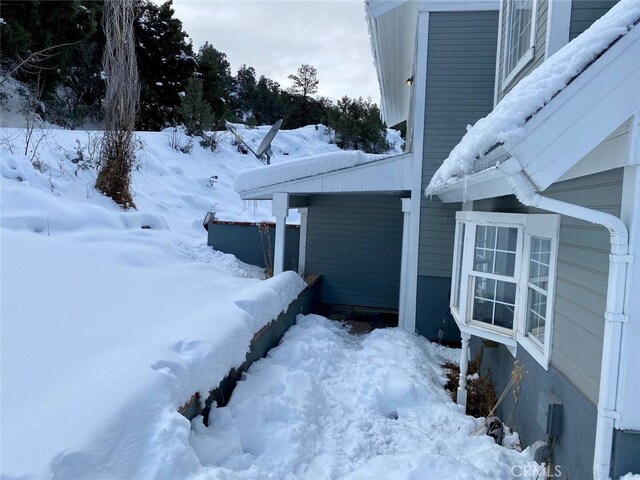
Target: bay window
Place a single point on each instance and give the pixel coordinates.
(503, 278)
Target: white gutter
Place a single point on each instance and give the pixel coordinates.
(614, 315)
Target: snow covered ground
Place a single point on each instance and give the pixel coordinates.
(326, 404)
(112, 319)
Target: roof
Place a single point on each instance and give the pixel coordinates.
(336, 172)
(538, 96)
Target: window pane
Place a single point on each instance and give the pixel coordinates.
(539, 260)
(495, 250)
(507, 239)
(458, 285)
(494, 302)
(506, 292)
(536, 314)
(483, 310)
(485, 288)
(505, 264)
(483, 261)
(504, 315)
(540, 257)
(485, 236)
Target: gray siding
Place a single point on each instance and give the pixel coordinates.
(581, 278)
(573, 450)
(355, 243)
(585, 12)
(542, 10)
(460, 80)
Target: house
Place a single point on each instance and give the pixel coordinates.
(517, 235)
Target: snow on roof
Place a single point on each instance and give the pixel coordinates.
(303, 168)
(505, 123)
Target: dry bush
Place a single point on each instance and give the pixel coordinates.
(121, 102)
(481, 392)
(267, 251)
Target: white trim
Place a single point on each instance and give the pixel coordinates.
(523, 62)
(508, 77)
(420, 85)
(627, 402)
(302, 249)
(634, 141)
(280, 209)
(457, 6)
(558, 26)
(406, 224)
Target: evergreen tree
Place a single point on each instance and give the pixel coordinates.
(194, 110)
(357, 125)
(244, 92)
(305, 81)
(268, 105)
(166, 63)
(215, 71)
(37, 25)
(300, 107)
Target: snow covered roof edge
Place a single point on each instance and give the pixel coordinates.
(505, 123)
(296, 169)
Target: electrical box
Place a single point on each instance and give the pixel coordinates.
(549, 414)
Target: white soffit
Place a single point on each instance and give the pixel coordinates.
(393, 26)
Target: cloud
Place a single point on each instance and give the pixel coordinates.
(276, 37)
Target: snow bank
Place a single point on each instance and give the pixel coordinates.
(326, 404)
(112, 319)
(307, 167)
(504, 124)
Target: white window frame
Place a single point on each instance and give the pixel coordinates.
(528, 225)
(508, 77)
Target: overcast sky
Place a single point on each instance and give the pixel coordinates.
(277, 36)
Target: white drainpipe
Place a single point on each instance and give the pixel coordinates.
(614, 312)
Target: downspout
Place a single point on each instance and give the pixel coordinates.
(614, 315)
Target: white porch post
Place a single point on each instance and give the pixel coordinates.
(302, 252)
(464, 364)
(403, 322)
(280, 209)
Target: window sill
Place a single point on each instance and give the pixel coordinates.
(522, 63)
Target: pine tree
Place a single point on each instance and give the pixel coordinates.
(305, 82)
(194, 110)
(243, 92)
(357, 125)
(215, 71)
(166, 63)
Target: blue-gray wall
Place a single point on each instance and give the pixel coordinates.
(461, 54)
(245, 241)
(355, 243)
(574, 448)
